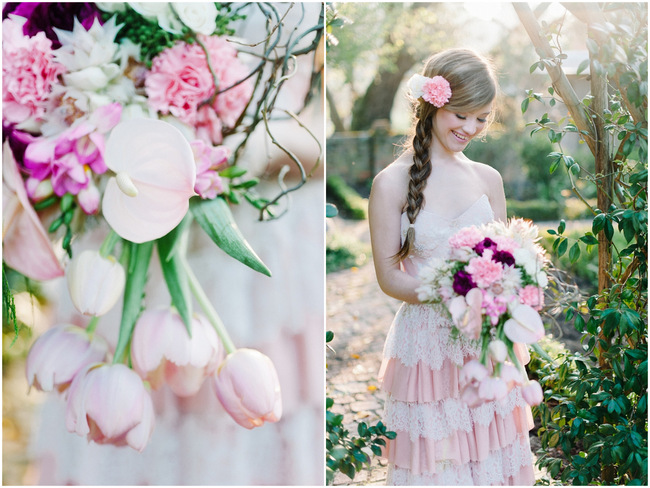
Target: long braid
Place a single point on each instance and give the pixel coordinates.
(419, 173)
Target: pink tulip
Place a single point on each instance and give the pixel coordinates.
(492, 388)
(109, 404)
(95, 282)
(497, 350)
(59, 354)
(26, 245)
(470, 377)
(466, 313)
(247, 386)
(162, 350)
(511, 375)
(525, 326)
(155, 176)
(532, 393)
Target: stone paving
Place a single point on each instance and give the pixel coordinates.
(359, 314)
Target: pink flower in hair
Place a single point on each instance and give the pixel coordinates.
(436, 91)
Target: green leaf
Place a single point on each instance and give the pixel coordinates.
(232, 172)
(562, 247)
(561, 227)
(329, 335)
(574, 252)
(216, 220)
(338, 453)
(524, 105)
(331, 210)
(582, 66)
(171, 263)
(139, 258)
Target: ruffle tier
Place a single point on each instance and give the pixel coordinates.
(440, 440)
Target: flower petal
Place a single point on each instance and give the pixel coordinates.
(525, 326)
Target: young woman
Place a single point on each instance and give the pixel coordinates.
(416, 204)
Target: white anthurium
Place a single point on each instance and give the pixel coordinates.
(525, 326)
(154, 179)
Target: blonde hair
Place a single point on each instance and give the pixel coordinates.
(473, 85)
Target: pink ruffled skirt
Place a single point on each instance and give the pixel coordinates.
(440, 440)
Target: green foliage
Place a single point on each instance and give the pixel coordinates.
(595, 409)
(537, 210)
(344, 251)
(348, 201)
(348, 453)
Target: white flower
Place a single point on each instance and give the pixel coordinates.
(415, 84)
(160, 12)
(511, 279)
(498, 350)
(527, 259)
(198, 16)
(542, 279)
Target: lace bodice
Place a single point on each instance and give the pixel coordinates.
(432, 232)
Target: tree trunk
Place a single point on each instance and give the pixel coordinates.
(334, 113)
(377, 102)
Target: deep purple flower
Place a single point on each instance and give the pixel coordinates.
(18, 141)
(463, 282)
(503, 257)
(44, 16)
(486, 243)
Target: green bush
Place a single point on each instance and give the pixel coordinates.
(343, 252)
(536, 210)
(350, 204)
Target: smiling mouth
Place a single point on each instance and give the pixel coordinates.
(459, 136)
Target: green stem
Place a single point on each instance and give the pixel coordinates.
(92, 325)
(209, 310)
(109, 243)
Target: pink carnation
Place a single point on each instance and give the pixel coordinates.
(209, 161)
(484, 270)
(533, 296)
(466, 237)
(180, 82)
(28, 71)
(436, 91)
(505, 243)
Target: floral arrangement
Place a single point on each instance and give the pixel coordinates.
(114, 115)
(436, 90)
(493, 287)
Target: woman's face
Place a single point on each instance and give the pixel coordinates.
(454, 130)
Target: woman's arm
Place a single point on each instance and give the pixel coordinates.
(495, 193)
(387, 199)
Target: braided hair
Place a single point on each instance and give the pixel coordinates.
(473, 85)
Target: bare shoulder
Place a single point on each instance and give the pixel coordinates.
(392, 182)
(488, 174)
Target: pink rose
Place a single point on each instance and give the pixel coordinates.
(466, 237)
(28, 71)
(484, 270)
(533, 296)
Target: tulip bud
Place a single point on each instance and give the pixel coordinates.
(162, 350)
(532, 393)
(59, 354)
(498, 350)
(95, 282)
(110, 405)
(247, 386)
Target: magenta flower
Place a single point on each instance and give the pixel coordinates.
(503, 257)
(486, 243)
(525, 326)
(484, 270)
(109, 404)
(26, 245)
(463, 282)
(28, 72)
(247, 386)
(209, 161)
(58, 355)
(436, 91)
(162, 350)
(95, 282)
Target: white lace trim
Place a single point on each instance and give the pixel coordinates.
(423, 333)
(438, 420)
(494, 470)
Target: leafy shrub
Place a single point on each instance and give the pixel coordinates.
(350, 204)
(343, 252)
(537, 210)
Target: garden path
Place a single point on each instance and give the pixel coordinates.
(359, 314)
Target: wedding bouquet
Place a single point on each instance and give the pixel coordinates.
(114, 115)
(493, 287)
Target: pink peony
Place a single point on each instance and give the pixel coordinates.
(209, 161)
(180, 82)
(484, 270)
(436, 91)
(466, 237)
(533, 296)
(28, 71)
